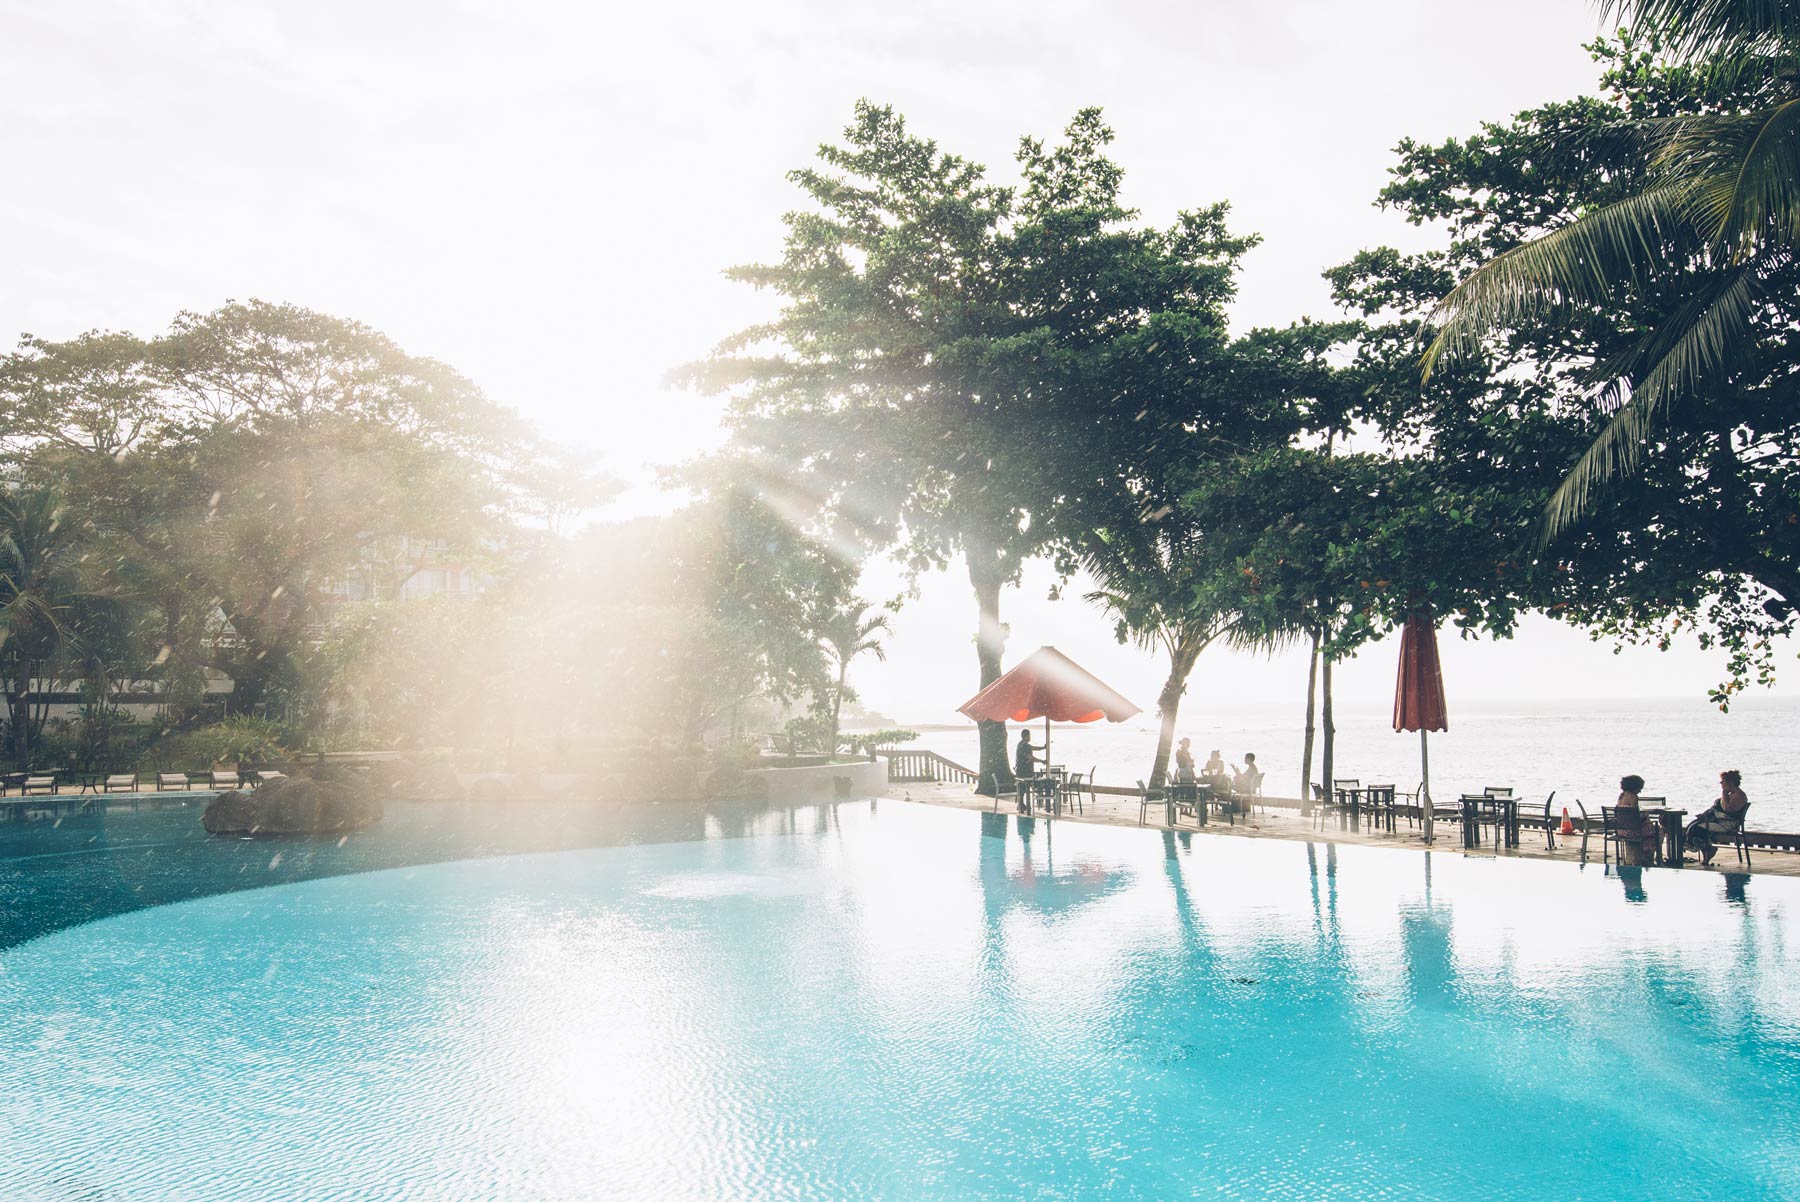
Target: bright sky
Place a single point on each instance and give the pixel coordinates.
(544, 195)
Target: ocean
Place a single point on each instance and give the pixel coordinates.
(1579, 749)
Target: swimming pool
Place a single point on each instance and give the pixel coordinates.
(881, 1000)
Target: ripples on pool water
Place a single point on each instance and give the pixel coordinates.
(889, 1002)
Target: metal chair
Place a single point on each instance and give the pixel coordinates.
(1146, 798)
(1549, 823)
(1325, 805)
(1071, 790)
(1617, 832)
(1378, 803)
(1185, 796)
(1735, 839)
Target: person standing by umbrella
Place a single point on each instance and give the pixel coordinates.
(1025, 761)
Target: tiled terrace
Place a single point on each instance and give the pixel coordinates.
(1280, 818)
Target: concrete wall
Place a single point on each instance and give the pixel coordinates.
(862, 779)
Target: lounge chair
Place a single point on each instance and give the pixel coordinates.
(265, 776)
(171, 780)
(224, 780)
(38, 784)
(120, 782)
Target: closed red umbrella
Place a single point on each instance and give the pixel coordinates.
(1419, 697)
(1048, 684)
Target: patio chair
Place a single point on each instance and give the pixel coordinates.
(1378, 803)
(1620, 827)
(120, 782)
(1327, 805)
(1147, 797)
(224, 780)
(1735, 838)
(171, 780)
(38, 784)
(1497, 791)
(1472, 811)
(1071, 790)
(1188, 797)
(1225, 799)
(1549, 823)
(1249, 784)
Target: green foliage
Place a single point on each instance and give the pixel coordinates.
(1707, 535)
(1698, 206)
(847, 632)
(891, 737)
(239, 739)
(955, 357)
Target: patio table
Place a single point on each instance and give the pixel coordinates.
(1674, 832)
(1188, 795)
(1501, 812)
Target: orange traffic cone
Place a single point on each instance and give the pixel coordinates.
(1567, 827)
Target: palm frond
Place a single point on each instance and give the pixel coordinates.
(1704, 28)
(1695, 349)
(1747, 180)
(1581, 262)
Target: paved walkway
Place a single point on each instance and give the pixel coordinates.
(1281, 819)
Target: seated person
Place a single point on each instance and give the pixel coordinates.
(1184, 764)
(1723, 819)
(1248, 781)
(1215, 764)
(1639, 837)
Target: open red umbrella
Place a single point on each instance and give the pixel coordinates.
(1419, 696)
(1048, 684)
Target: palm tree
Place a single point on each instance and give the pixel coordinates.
(46, 611)
(848, 633)
(1721, 197)
(1151, 577)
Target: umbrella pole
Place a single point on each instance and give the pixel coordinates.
(1046, 740)
(1425, 783)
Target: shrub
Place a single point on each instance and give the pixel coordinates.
(235, 740)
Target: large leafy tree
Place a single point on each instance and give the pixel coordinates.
(251, 460)
(948, 347)
(1693, 198)
(1342, 548)
(1707, 534)
(55, 612)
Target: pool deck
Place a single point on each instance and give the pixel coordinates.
(1280, 818)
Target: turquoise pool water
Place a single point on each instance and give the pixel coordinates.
(882, 1001)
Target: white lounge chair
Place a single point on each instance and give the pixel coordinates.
(121, 782)
(171, 780)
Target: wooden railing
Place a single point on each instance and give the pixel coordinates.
(919, 766)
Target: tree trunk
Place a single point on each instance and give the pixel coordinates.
(19, 727)
(1168, 704)
(837, 705)
(1312, 694)
(1326, 767)
(990, 643)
